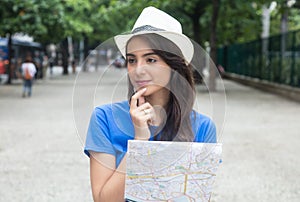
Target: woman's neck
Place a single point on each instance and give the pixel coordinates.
(159, 98)
(159, 101)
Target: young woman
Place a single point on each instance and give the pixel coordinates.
(159, 106)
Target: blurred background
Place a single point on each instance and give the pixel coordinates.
(252, 38)
(255, 46)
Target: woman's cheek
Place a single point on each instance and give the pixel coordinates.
(129, 68)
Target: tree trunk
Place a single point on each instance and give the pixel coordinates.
(9, 72)
(85, 52)
(284, 20)
(284, 28)
(196, 29)
(64, 52)
(213, 46)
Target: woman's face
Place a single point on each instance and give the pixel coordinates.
(145, 68)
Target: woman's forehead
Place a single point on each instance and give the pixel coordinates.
(137, 44)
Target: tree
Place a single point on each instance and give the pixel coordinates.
(192, 15)
(286, 17)
(23, 16)
(77, 24)
(240, 21)
(46, 21)
(213, 45)
(15, 17)
(116, 17)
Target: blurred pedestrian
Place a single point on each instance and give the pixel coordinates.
(38, 64)
(2, 69)
(45, 65)
(221, 69)
(28, 72)
(51, 64)
(2, 66)
(73, 66)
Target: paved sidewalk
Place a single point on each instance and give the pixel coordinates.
(41, 157)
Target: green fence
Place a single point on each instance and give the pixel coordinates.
(275, 59)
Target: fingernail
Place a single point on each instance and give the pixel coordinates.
(144, 89)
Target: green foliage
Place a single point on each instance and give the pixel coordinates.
(192, 15)
(52, 18)
(20, 16)
(47, 21)
(77, 14)
(238, 22)
(293, 13)
(98, 20)
(115, 17)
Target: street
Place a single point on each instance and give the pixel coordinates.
(41, 150)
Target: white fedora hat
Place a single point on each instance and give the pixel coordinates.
(153, 20)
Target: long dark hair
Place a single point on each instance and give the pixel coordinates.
(177, 126)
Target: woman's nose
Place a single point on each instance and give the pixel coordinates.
(140, 68)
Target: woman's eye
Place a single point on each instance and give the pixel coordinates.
(151, 60)
(131, 60)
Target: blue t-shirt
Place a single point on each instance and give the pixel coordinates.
(111, 127)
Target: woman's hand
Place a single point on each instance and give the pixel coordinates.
(141, 113)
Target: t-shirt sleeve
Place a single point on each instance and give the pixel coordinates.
(211, 133)
(206, 130)
(98, 134)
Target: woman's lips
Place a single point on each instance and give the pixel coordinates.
(142, 82)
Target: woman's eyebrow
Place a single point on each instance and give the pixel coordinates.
(130, 54)
(145, 55)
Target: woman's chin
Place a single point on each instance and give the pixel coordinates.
(140, 87)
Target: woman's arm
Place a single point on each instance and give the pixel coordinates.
(140, 117)
(108, 183)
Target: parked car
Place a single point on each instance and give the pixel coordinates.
(119, 62)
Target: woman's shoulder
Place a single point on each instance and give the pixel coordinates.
(204, 128)
(116, 107)
(201, 121)
(199, 117)
(114, 116)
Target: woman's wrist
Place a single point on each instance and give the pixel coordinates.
(138, 138)
(142, 133)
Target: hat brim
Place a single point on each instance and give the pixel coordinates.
(182, 41)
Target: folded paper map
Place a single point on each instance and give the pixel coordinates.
(171, 171)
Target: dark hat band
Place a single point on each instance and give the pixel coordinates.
(145, 28)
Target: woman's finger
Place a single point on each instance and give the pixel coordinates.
(141, 100)
(135, 97)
